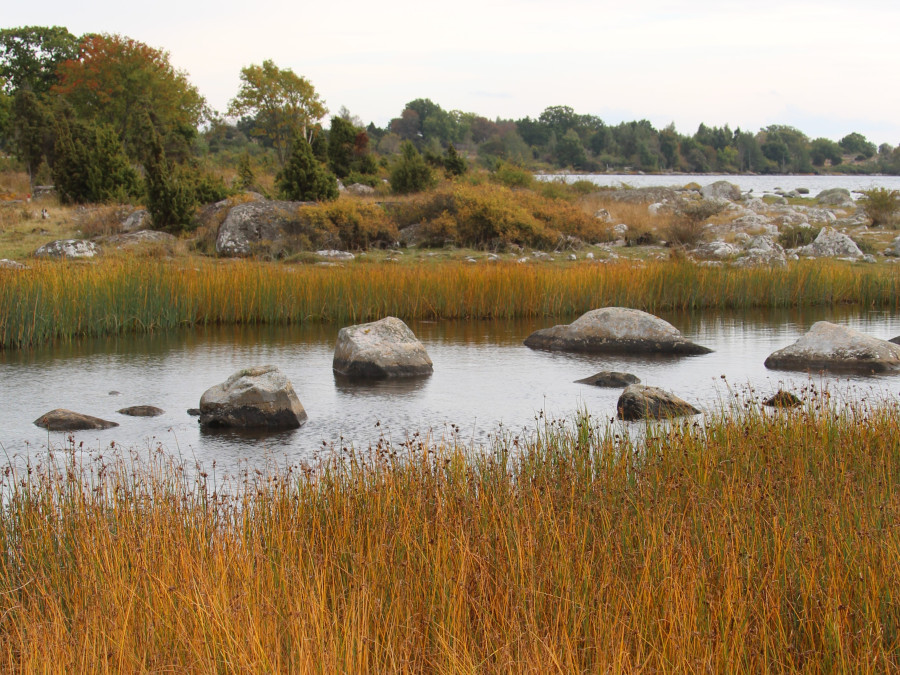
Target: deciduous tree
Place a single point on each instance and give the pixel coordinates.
(114, 79)
(281, 104)
(29, 56)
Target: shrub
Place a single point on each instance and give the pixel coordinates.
(304, 178)
(454, 163)
(881, 205)
(512, 175)
(439, 231)
(410, 172)
(792, 236)
(684, 232)
(360, 225)
(698, 211)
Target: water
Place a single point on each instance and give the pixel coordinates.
(759, 184)
(483, 376)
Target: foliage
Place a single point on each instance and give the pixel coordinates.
(90, 164)
(410, 173)
(823, 149)
(857, 144)
(341, 143)
(281, 104)
(696, 211)
(246, 178)
(512, 175)
(792, 236)
(454, 163)
(170, 187)
(115, 78)
(304, 178)
(881, 205)
(359, 225)
(31, 124)
(30, 55)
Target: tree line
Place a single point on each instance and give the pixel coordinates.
(108, 118)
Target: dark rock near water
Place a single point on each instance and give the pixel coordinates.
(381, 349)
(193, 412)
(141, 411)
(640, 402)
(67, 420)
(832, 347)
(252, 398)
(615, 330)
(610, 378)
(783, 399)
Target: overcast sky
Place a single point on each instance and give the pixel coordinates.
(827, 67)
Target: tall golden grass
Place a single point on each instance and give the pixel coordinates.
(756, 543)
(63, 301)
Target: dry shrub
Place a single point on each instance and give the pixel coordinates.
(101, 221)
(358, 224)
(439, 231)
(684, 232)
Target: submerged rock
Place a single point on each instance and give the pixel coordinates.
(783, 399)
(615, 330)
(141, 411)
(67, 420)
(610, 378)
(252, 398)
(640, 402)
(832, 347)
(385, 348)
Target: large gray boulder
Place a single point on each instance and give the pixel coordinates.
(893, 249)
(832, 347)
(381, 349)
(615, 330)
(640, 402)
(831, 244)
(835, 197)
(137, 220)
(721, 189)
(68, 248)
(249, 224)
(259, 397)
(67, 420)
(763, 250)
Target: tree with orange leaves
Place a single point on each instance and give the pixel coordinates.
(115, 79)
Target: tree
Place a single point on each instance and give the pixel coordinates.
(303, 177)
(857, 144)
(31, 125)
(90, 164)
(824, 149)
(114, 79)
(410, 172)
(454, 163)
(171, 188)
(281, 104)
(30, 55)
(341, 147)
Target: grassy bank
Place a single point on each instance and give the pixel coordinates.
(64, 301)
(759, 543)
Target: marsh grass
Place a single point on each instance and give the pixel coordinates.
(126, 294)
(756, 542)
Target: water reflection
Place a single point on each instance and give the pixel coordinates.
(483, 376)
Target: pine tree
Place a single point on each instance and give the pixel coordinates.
(304, 178)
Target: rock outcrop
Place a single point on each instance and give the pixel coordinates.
(610, 378)
(132, 239)
(640, 402)
(252, 223)
(831, 244)
(893, 249)
(252, 398)
(381, 349)
(721, 189)
(615, 330)
(67, 420)
(68, 248)
(832, 347)
(835, 197)
(137, 220)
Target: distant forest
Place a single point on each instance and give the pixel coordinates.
(105, 117)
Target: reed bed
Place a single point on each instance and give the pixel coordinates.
(53, 301)
(756, 542)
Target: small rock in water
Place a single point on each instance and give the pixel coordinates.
(640, 402)
(115, 393)
(193, 412)
(610, 378)
(141, 411)
(67, 420)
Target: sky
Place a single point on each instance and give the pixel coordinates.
(826, 67)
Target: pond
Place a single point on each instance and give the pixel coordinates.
(483, 376)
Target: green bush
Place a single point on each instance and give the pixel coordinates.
(513, 176)
(304, 178)
(881, 206)
(410, 172)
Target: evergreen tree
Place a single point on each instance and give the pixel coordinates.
(303, 177)
(410, 172)
(454, 163)
(171, 188)
(341, 144)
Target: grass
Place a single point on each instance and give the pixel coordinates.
(52, 301)
(758, 542)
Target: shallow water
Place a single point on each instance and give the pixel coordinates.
(483, 376)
